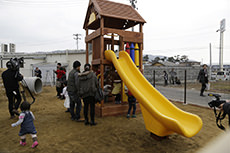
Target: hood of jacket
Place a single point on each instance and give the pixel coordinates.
(85, 75)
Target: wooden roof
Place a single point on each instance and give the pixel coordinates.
(116, 15)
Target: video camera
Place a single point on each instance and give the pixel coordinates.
(15, 63)
(217, 102)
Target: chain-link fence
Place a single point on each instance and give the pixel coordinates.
(182, 84)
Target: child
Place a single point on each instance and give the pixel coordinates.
(106, 92)
(132, 103)
(26, 118)
(65, 93)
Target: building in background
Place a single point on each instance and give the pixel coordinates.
(46, 61)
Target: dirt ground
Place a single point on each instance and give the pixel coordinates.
(57, 133)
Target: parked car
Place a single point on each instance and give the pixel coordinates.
(213, 76)
(222, 75)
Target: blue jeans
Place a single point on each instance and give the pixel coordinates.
(132, 103)
(75, 101)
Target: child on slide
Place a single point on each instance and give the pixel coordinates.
(26, 118)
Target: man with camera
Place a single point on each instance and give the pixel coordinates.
(10, 78)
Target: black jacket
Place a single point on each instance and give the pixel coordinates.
(38, 73)
(10, 80)
(203, 76)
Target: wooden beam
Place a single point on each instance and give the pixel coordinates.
(109, 41)
(93, 35)
(93, 49)
(87, 46)
(102, 56)
(98, 61)
(128, 36)
(141, 51)
(112, 44)
(141, 28)
(121, 46)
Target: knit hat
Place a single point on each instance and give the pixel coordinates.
(76, 64)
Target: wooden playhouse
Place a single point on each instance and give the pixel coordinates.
(107, 25)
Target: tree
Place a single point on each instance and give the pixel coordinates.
(184, 58)
(171, 59)
(146, 58)
(156, 59)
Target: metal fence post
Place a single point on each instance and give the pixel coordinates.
(154, 81)
(185, 84)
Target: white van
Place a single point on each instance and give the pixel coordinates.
(222, 75)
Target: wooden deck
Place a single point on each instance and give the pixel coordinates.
(112, 109)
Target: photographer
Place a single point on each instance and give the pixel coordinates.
(226, 108)
(10, 80)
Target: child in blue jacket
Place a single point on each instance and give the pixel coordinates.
(26, 118)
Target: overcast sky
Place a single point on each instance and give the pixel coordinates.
(174, 27)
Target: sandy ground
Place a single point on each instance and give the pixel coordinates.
(57, 133)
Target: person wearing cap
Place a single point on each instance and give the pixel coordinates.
(203, 79)
(88, 86)
(73, 91)
(10, 79)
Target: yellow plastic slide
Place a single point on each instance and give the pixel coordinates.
(161, 117)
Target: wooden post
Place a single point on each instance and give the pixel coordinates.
(112, 45)
(121, 46)
(102, 56)
(141, 51)
(87, 47)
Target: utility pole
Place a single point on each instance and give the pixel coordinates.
(133, 4)
(221, 30)
(77, 37)
(210, 69)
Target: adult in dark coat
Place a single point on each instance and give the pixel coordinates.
(10, 79)
(203, 79)
(88, 86)
(73, 91)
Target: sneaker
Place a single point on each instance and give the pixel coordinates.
(22, 143)
(67, 111)
(93, 123)
(15, 112)
(86, 123)
(35, 144)
(128, 116)
(79, 120)
(12, 117)
(133, 116)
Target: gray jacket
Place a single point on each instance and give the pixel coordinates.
(88, 84)
(73, 83)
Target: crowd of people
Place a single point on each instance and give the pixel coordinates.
(79, 86)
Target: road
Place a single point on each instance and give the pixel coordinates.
(192, 95)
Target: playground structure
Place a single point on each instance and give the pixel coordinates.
(109, 19)
(109, 22)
